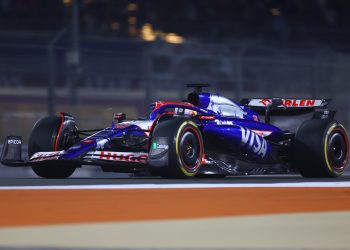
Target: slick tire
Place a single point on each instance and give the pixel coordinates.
(180, 149)
(321, 149)
(43, 138)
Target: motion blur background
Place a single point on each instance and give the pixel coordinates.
(91, 58)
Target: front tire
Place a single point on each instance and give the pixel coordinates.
(48, 135)
(321, 149)
(184, 149)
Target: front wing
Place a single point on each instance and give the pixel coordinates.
(121, 160)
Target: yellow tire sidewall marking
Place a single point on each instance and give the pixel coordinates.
(188, 174)
(326, 145)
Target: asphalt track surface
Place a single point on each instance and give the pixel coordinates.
(263, 179)
(296, 218)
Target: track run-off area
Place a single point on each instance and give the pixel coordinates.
(242, 212)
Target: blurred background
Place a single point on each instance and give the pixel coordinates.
(91, 58)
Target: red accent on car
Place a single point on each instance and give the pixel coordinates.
(265, 101)
(122, 157)
(87, 141)
(121, 126)
(310, 103)
(103, 156)
(201, 151)
(203, 161)
(292, 102)
(206, 117)
(159, 104)
(55, 148)
(347, 148)
(262, 133)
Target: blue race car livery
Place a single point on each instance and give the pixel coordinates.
(208, 134)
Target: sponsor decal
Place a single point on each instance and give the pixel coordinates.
(159, 146)
(219, 122)
(287, 102)
(262, 133)
(264, 102)
(179, 111)
(183, 111)
(45, 159)
(121, 156)
(155, 145)
(42, 156)
(254, 142)
(206, 117)
(14, 142)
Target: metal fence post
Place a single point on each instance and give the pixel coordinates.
(51, 86)
(75, 55)
(239, 72)
(148, 73)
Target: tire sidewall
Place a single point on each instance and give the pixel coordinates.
(46, 136)
(329, 131)
(187, 125)
(311, 148)
(170, 165)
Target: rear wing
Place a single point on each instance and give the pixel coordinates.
(287, 113)
(287, 103)
(285, 106)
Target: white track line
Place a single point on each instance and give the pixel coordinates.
(174, 186)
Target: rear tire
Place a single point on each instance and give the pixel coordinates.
(184, 152)
(43, 138)
(321, 149)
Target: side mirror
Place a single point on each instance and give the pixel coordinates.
(119, 117)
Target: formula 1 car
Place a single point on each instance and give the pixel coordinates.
(207, 134)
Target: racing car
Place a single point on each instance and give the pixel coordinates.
(205, 135)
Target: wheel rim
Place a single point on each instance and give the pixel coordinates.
(338, 149)
(190, 150)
